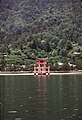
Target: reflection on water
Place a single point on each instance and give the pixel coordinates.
(41, 97)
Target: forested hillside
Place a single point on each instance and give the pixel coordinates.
(40, 28)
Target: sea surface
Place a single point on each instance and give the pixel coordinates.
(57, 97)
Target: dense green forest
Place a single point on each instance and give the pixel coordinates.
(49, 29)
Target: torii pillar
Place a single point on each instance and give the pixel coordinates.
(41, 69)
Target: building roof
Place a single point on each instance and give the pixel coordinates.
(59, 63)
(76, 53)
(43, 59)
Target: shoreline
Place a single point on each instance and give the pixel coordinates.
(31, 73)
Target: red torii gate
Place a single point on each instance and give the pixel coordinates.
(42, 68)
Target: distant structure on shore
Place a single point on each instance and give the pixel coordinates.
(41, 68)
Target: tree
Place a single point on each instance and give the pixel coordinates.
(79, 64)
(68, 45)
(65, 66)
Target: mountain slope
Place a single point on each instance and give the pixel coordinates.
(41, 28)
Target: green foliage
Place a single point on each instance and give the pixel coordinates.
(79, 64)
(32, 29)
(65, 67)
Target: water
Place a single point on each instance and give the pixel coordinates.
(56, 97)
